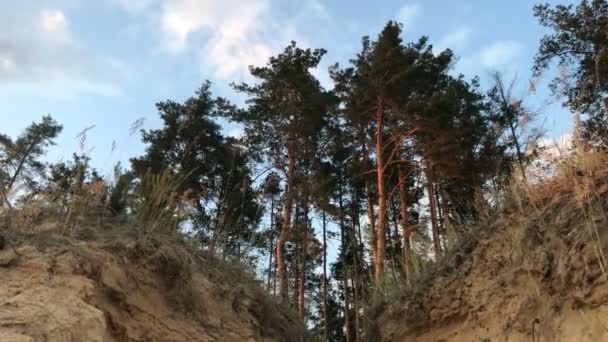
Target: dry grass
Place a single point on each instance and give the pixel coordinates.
(158, 204)
(562, 218)
(572, 204)
(179, 263)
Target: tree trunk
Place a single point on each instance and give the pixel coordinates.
(274, 280)
(392, 236)
(435, 228)
(520, 157)
(370, 203)
(372, 222)
(404, 225)
(295, 265)
(344, 268)
(18, 171)
(445, 210)
(440, 209)
(271, 243)
(302, 282)
(5, 199)
(355, 285)
(285, 229)
(216, 225)
(380, 235)
(359, 287)
(325, 335)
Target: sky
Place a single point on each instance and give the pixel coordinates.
(105, 63)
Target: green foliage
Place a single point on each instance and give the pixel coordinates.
(397, 106)
(119, 191)
(69, 180)
(214, 177)
(188, 144)
(511, 121)
(287, 107)
(20, 159)
(237, 212)
(579, 44)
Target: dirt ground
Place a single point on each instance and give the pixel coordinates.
(58, 289)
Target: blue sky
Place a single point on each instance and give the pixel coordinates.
(106, 62)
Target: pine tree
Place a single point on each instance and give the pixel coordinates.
(579, 44)
(216, 178)
(510, 116)
(385, 77)
(20, 159)
(286, 111)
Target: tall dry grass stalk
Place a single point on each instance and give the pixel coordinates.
(578, 190)
(571, 204)
(158, 207)
(87, 200)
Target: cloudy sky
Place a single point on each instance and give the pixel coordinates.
(106, 62)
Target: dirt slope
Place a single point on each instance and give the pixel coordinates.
(535, 272)
(58, 289)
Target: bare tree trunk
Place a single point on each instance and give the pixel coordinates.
(325, 335)
(295, 265)
(404, 226)
(372, 222)
(392, 236)
(355, 284)
(344, 268)
(359, 286)
(216, 226)
(439, 208)
(435, 228)
(370, 204)
(445, 210)
(271, 243)
(18, 171)
(380, 235)
(518, 149)
(302, 282)
(346, 308)
(507, 103)
(286, 228)
(5, 199)
(295, 268)
(274, 280)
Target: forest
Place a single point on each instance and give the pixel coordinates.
(334, 198)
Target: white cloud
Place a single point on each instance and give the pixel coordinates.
(7, 63)
(318, 9)
(322, 74)
(134, 7)
(226, 20)
(557, 147)
(64, 88)
(54, 26)
(228, 35)
(553, 151)
(455, 39)
(408, 13)
(499, 54)
(237, 34)
(38, 54)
